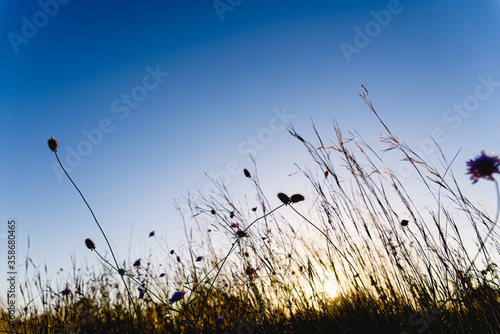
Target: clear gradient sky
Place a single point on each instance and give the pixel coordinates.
(170, 90)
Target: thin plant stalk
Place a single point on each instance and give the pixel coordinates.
(98, 225)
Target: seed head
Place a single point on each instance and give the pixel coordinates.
(241, 233)
(199, 258)
(53, 144)
(247, 173)
(90, 244)
(137, 263)
(151, 234)
(296, 198)
(66, 292)
(404, 222)
(284, 198)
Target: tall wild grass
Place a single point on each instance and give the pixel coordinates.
(360, 252)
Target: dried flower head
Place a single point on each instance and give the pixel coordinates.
(296, 198)
(483, 166)
(247, 173)
(176, 297)
(121, 271)
(213, 211)
(404, 222)
(90, 244)
(137, 263)
(162, 274)
(231, 214)
(141, 293)
(284, 198)
(199, 258)
(151, 234)
(254, 209)
(66, 292)
(250, 271)
(241, 234)
(172, 251)
(53, 144)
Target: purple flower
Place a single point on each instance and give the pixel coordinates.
(199, 258)
(176, 297)
(141, 294)
(220, 320)
(151, 234)
(66, 292)
(483, 166)
(137, 263)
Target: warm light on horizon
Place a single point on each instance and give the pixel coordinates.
(331, 288)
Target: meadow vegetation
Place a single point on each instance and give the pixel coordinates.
(358, 253)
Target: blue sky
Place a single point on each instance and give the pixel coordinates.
(233, 72)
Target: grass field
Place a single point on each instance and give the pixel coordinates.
(367, 259)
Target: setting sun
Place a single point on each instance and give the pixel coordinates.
(331, 288)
